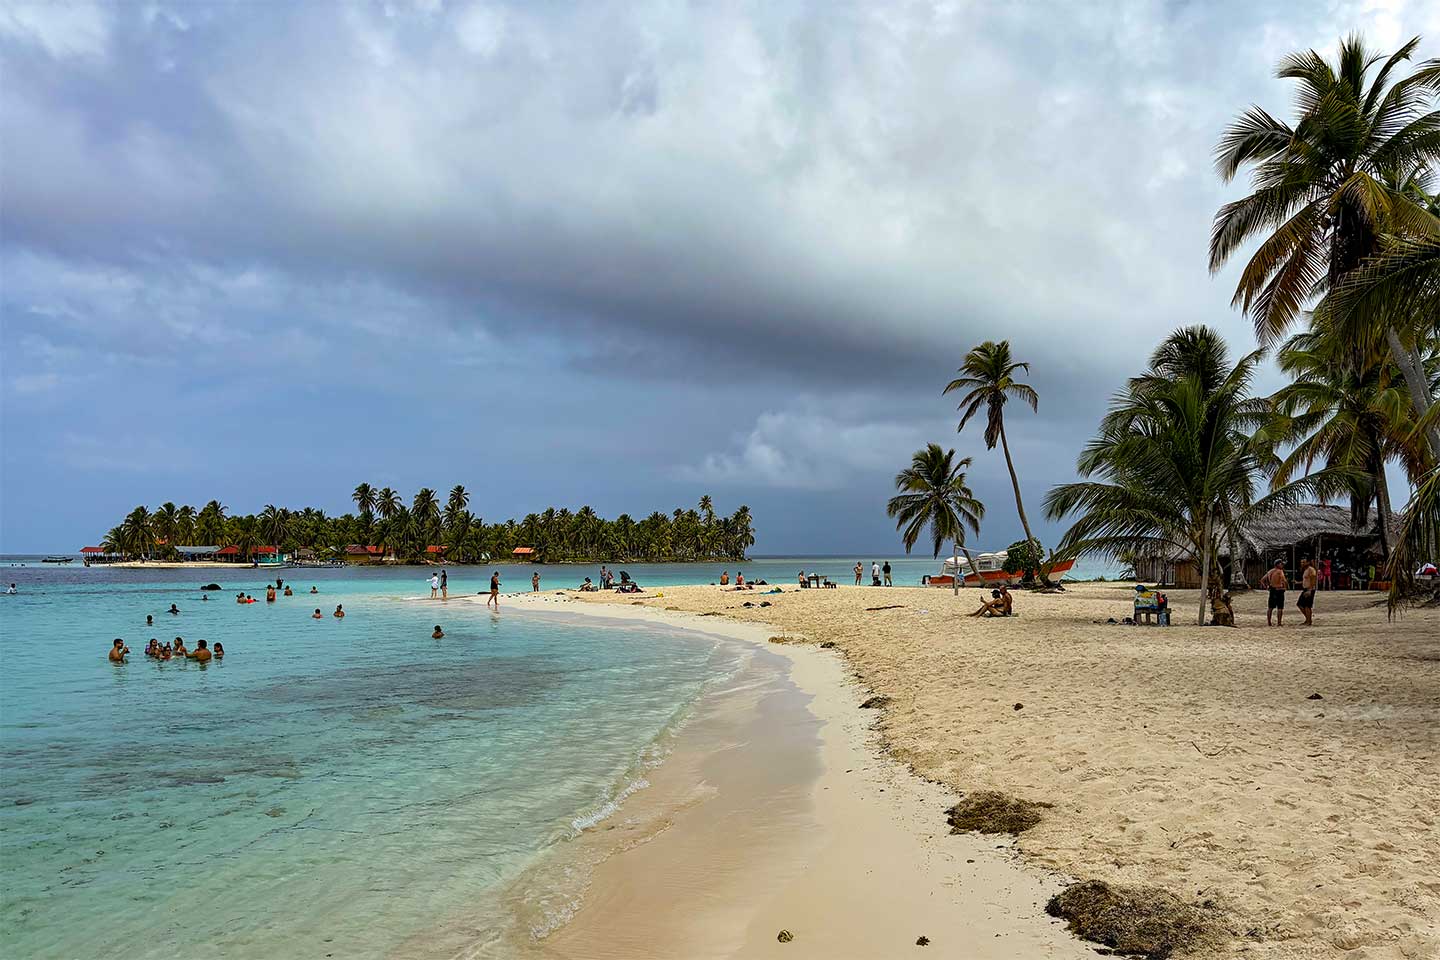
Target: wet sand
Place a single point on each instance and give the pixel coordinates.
(777, 810)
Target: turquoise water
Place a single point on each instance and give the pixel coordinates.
(325, 775)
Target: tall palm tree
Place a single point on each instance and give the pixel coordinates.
(138, 533)
(1177, 461)
(166, 523)
(364, 497)
(934, 495)
(1325, 189)
(185, 525)
(388, 503)
(275, 524)
(458, 500)
(988, 377)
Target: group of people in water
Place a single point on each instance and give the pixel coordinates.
(168, 651)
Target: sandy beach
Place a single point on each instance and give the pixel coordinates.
(1286, 778)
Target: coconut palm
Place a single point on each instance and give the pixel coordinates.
(458, 500)
(364, 497)
(185, 525)
(1177, 462)
(1329, 189)
(387, 503)
(275, 525)
(934, 495)
(988, 377)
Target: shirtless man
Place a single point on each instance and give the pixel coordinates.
(1274, 580)
(118, 651)
(494, 590)
(199, 654)
(317, 615)
(438, 634)
(1309, 580)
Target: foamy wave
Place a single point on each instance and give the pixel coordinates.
(609, 807)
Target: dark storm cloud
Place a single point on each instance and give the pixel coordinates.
(787, 212)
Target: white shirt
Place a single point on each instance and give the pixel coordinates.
(875, 569)
(434, 582)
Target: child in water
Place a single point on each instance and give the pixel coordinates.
(219, 651)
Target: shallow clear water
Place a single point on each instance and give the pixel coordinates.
(325, 774)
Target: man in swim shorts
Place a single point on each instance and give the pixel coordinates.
(1309, 580)
(1274, 581)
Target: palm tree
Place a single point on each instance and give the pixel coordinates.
(934, 494)
(458, 500)
(1326, 189)
(275, 524)
(138, 533)
(364, 497)
(387, 503)
(1177, 459)
(185, 525)
(166, 522)
(988, 377)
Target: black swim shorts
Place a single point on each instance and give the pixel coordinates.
(1307, 599)
(1277, 599)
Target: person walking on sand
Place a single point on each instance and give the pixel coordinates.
(444, 586)
(1274, 581)
(859, 569)
(494, 591)
(535, 582)
(434, 585)
(1309, 580)
(886, 570)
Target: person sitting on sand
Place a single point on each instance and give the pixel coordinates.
(314, 590)
(118, 651)
(438, 634)
(219, 651)
(1222, 611)
(802, 581)
(174, 609)
(994, 607)
(587, 586)
(339, 613)
(725, 578)
(317, 615)
(739, 580)
(200, 654)
(289, 592)
(180, 650)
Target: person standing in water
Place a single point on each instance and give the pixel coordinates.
(886, 571)
(444, 586)
(118, 651)
(535, 582)
(339, 611)
(199, 654)
(434, 585)
(438, 634)
(494, 590)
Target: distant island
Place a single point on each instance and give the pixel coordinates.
(385, 530)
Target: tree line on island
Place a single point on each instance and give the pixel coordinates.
(409, 532)
(1344, 209)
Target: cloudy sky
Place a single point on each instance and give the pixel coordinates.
(609, 254)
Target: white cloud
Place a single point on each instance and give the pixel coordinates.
(63, 29)
(810, 448)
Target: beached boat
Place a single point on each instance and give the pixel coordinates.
(989, 571)
(57, 560)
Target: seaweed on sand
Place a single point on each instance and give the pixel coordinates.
(1141, 921)
(989, 811)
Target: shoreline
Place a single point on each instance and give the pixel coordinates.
(733, 840)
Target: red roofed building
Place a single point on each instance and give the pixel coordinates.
(434, 548)
(523, 551)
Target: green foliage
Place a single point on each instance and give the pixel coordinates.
(935, 497)
(1024, 556)
(405, 532)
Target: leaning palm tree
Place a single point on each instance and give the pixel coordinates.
(988, 377)
(1177, 463)
(934, 495)
(1326, 193)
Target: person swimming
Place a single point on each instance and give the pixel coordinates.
(200, 654)
(317, 615)
(149, 620)
(289, 592)
(153, 649)
(173, 609)
(118, 651)
(180, 650)
(339, 611)
(314, 590)
(438, 634)
(166, 653)
(219, 650)
(204, 598)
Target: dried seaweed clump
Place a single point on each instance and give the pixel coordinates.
(989, 811)
(787, 639)
(1142, 921)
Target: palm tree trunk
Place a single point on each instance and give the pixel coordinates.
(1414, 374)
(1205, 570)
(1382, 511)
(1015, 482)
